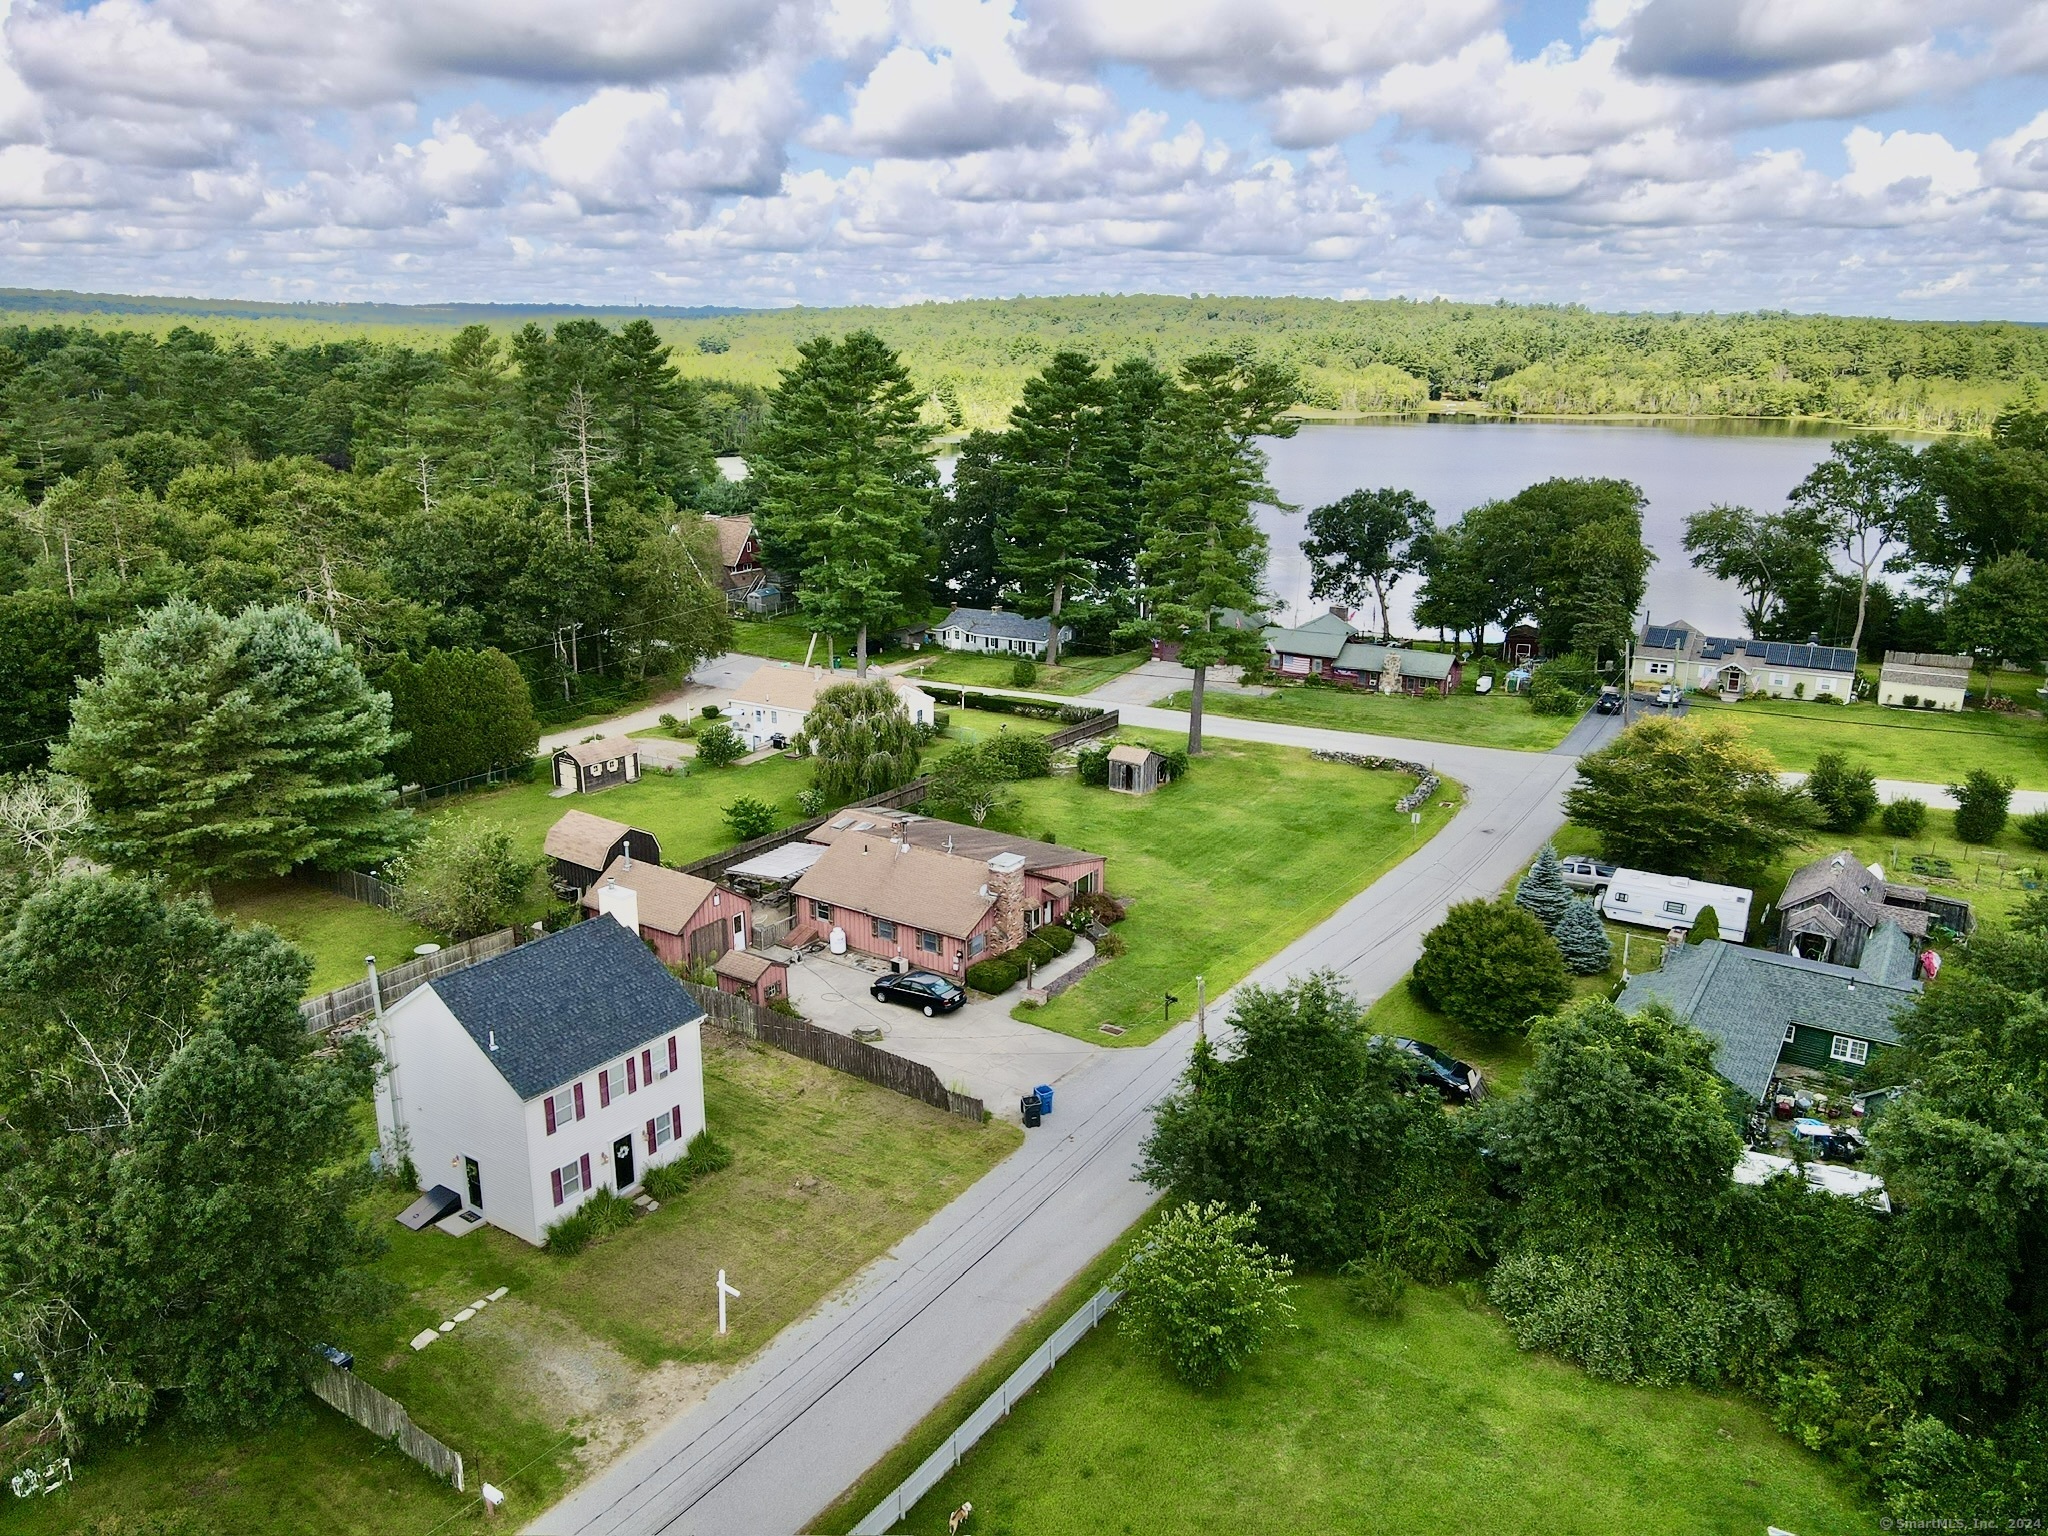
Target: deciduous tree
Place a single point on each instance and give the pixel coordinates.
(1361, 544)
(1201, 1293)
(860, 739)
(1867, 494)
(463, 877)
(1490, 967)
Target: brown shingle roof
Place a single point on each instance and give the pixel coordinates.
(917, 887)
(780, 686)
(584, 753)
(733, 533)
(978, 843)
(742, 965)
(668, 897)
(1130, 754)
(582, 838)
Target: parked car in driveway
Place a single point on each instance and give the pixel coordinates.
(1586, 874)
(925, 990)
(1669, 695)
(1457, 1081)
(1610, 701)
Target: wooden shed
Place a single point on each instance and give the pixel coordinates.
(759, 978)
(686, 920)
(589, 766)
(1135, 770)
(582, 846)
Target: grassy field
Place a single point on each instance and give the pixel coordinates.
(1925, 746)
(334, 930)
(1256, 846)
(1991, 877)
(1466, 718)
(1078, 674)
(586, 1352)
(1429, 1423)
(789, 639)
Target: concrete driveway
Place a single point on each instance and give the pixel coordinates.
(980, 1049)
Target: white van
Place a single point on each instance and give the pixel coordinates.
(1651, 900)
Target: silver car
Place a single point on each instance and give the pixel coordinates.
(1586, 874)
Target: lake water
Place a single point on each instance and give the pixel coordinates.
(1453, 464)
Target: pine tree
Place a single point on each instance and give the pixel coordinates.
(1543, 893)
(1058, 520)
(1582, 940)
(1704, 927)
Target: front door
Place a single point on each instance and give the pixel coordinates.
(622, 1162)
(476, 1183)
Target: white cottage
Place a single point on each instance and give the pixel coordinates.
(525, 1082)
(775, 699)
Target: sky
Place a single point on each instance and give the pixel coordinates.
(1853, 156)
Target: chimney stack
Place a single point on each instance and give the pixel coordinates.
(1006, 881)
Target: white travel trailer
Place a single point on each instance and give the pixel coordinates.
(1672, 901)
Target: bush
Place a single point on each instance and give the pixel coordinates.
(1375, 1287)
(706, 1154)
(1110, 945)
(1200, 1294)
(719, 746)
(1176, 766)
(810, 802)
(2034, 829)
(1904, 817)
(671, 724)
(1846, 793)
(1057, 935)
(1036, 951)
(993, 976)
(1549, 698)
(1101, 906)
(1023, 672)
(463, 878)
(1982, 800)
(785, 1007)
(1091, 765)
(942, 720)
(750, 818)
(1704, 927)
(709, 712)
(1491, 967)
(603, 1213)
(1015, 756)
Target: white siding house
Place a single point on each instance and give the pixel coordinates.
(991, 629)
(775, 699)
(521, 1084)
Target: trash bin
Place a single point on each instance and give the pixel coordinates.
(1045, 1098)
(1028, 1108)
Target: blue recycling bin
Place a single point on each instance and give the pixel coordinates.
(1045, 1098)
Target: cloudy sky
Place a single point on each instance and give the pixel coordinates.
(1845, 155)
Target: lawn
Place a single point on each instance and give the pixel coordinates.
(1253, 848)
(334, 930)
(1496, 720)
(585, 1353)
(1923, 746)
(789, 639)
(1989, 876)
(1078, 674)
(1429, 1423)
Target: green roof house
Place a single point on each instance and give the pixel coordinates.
(1762, 1007)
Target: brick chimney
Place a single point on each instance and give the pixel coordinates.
(1006, 882)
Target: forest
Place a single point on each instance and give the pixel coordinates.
(970, 359)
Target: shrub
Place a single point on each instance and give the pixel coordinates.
(671, 724)
(750, 818)
(463, 878)
(1549, 698)
(942, 720)
(719, 746)
(1059, 936)
(1491, 967)
(1023, 672)
(993, 976)
(1200, 1294)
(1905, 817)
(1799, 690)
(1582, 939)
(2034, 829)
(1910, 700)
(709, 712)
(1375, 1287)
(1845, 792)
(1036, 951)
(1091, 765)
(1176, 763)
(706, 1154)
(1704, 927)
(1013, 756)
(1982, 800)
(604, 1212)
(785, 1007)
(1101, 906)
(1110, 945)
(810, 802)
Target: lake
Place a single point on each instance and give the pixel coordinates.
(1454, 463)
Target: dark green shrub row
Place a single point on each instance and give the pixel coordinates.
(993, 976)
(1058, 935)
(706, 1154)
(604, 1212)
(1005, 704)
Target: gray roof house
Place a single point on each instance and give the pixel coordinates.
(1682, 653)
(1761, 1007)
(994, 629)
(522, 1084)
(1331, 646)
(1832, 906)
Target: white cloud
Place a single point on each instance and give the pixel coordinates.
(1908, 167)
(1749, 39)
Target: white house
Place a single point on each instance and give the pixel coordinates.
(1923, 680)
(991, 629)
(1651, 900)
(1680, 653)
(525, 1082)
(774, 699)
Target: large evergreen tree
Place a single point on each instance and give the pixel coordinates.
(221, 749)
(459, 714)
(46, 645)
(965, 520)
(1057, 526)
(1542, 892)
(846, 487)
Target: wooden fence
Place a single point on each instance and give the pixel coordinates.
(385, 1417)
(352, 884)
(885, 1069)
(1104, 724)
(355, 1001)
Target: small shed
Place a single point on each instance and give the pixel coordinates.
(583, 846)
(1135, 770)
(589, 766)
(1923, 680)
(759, 978)
(687, 921)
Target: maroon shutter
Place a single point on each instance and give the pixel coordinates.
(555, 1176)
(650, 1138)
(583, 1164)
(675, 1121)
(647, 1066)
(632, 1075)
(604, 1088)
(672, 1053)
(579, 1101)
(548, 1104)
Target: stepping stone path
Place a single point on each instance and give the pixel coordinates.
(427, 1336)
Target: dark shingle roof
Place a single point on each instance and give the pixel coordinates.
(1686, 641)
(1745, 998)
(565, 1004)
(1004, 626)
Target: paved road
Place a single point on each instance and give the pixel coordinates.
(711, 683)
(777, 1441)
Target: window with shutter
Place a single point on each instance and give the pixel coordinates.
(579, 1101)
(583, 1167)
(547, 1106)
(555, 1178)
(604, 1088)
(647, 1067)
(650, 1138)
(676, 1120)
(632, 1075)
(672, 1053)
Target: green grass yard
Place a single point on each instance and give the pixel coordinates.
(334, 930)
(1078, 674)
(1992, 877)
(1430, 1423)
(1495, 720)
(1255, 847)
(1923, 746)
(540, 1388)
(787, 638)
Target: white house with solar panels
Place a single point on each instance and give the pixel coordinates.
(1683, 654)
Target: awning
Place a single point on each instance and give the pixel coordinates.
(778, 865)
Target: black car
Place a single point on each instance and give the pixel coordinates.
(920, 989)
(1609, 702)
(1457, 1081)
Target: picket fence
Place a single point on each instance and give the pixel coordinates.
(882, 1519)
(856, 1058)
(385, 1417)
(344, 1005)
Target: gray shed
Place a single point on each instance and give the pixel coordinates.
(1135, 770)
